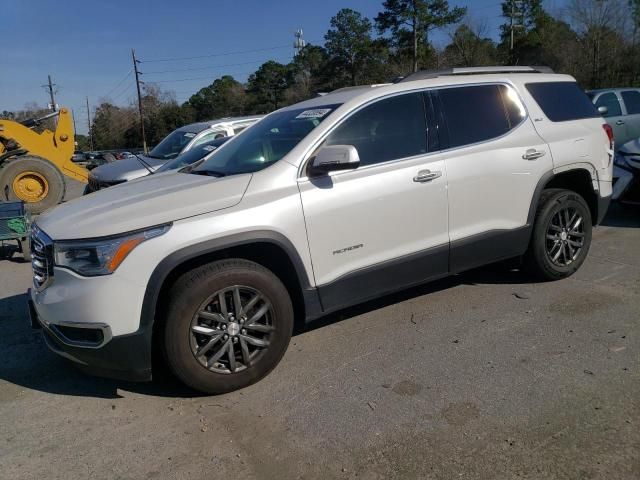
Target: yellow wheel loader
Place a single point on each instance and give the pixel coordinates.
(32, 164)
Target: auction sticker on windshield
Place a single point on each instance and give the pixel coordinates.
(317, 113)
(189, 135)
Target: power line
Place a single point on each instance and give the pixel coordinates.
(197, 78)
(210, 67)
(240, 52)
(119, 83)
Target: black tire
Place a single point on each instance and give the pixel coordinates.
(538, 259)
(186, 299)
(44, 168)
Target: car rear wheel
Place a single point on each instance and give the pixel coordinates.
(561, 235)
(228, 325)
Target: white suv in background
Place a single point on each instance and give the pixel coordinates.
(321, 205)
(179, 141)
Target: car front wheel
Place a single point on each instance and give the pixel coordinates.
(228, 325)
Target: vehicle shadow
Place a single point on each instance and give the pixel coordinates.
(25, 360)
(622, 216)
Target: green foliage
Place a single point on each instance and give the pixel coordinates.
(595, 41)
(468, 48)
(225, 97)
(410, 22)
(266, 87)
(349, 46)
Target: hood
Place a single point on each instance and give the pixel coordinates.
(146, 202)
(125, 170)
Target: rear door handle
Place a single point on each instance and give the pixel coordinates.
(533, 154)
(620, 122)
(426, 176)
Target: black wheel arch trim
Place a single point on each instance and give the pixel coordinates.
(177, 258)
(602, 202)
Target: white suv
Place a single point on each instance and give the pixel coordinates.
(319, 206)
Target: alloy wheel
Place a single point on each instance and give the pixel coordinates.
(565, 236)
(232, 329)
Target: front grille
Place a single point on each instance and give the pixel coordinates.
(41, 258)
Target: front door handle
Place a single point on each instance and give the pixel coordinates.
(533, 154)
(620, 122)
(426, 176)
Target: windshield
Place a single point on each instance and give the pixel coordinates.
(265, 142)
(171, 146)
(192, 156)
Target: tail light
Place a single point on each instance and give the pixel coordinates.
(609, 131)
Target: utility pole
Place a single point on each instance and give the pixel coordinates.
(135, 69)
(515, 12)
(89, 125)
(49, 86)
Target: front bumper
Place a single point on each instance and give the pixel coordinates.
(124, 357)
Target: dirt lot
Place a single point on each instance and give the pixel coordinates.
(483, 375)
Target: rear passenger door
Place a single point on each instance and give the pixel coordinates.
(494, 160)
(614, 116)
(631, 99)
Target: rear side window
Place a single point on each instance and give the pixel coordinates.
(562, 101)
(479, 113)
(632, 101)
(610, 101)
(388, 129)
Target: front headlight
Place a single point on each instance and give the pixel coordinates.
(101, 256)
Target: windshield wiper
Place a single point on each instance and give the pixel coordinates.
(210, 173)
(143, 163)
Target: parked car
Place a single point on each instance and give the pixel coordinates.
(321, 205)
(621, 111)
(193, 156)
(179, 141)
(626, 173)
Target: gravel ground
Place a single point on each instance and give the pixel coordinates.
(483, 375)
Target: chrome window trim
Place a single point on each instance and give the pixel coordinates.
(302, 176)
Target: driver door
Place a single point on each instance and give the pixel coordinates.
(383, 225)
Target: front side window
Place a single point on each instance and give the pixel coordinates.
(632, 101)
(479, 112)
(388, 129)
(609, 100)
(266, 142)
(171, 146)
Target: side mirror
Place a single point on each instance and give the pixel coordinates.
(602, 110)
(334, 157)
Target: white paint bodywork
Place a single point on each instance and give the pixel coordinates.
(482, 187)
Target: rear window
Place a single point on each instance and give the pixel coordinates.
(562, 101)
(632, 101)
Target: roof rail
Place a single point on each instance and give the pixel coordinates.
(425, 74)
(359, 87)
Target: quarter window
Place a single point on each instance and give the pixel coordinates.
(610, 101)
(562, 101)
(480, 112)
(632, 101)
(389, 129)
